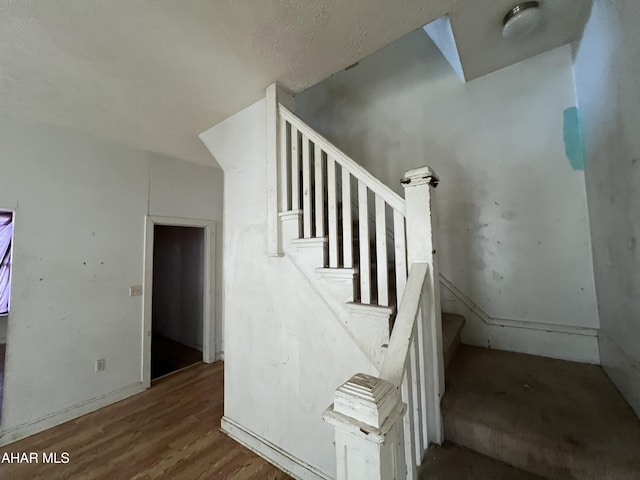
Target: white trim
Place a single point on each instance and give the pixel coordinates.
(275, 455)
(273, 96)
(310, 242)
(394, 200)
(209, 320)
(565, 342)
(75, 411)
(370, 310)
(506, 322)
(337, 273)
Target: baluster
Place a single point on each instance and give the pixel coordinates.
(421, 357)
(332, 212)
(365, 257)
(317, 163)
(399, 242)
(347, 234)
(408, 424)
(295, 170)
(381, 252)
(306, 188)
(418, 397)
(284, 165)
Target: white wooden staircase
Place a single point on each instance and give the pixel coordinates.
(369, 254)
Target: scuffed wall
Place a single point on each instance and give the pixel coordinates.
(513, 233)
(285, 352)
(607, 72)
(80, 205)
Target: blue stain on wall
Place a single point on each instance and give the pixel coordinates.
(573, 141)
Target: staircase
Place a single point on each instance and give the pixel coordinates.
(369, 255)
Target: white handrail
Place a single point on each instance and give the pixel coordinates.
(389, 196)
(395, 360)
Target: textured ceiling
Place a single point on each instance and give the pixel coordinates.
(155, 73)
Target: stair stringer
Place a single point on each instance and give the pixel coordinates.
(367, 325)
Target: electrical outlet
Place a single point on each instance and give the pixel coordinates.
(100, 365)
(135, 290)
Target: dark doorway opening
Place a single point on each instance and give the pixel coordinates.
(177, 298)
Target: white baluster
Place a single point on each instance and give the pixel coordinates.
(400, 247)
(347, 233)
(365, 257)
(285, 162)
(408, 425)
(306, 188)
(418, 413)
(317, 163)
(332, 212)
(381, 252)
(295, 170)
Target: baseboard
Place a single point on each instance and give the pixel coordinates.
(62, 416)
(565, 342)
(622, 369)
(271, 453)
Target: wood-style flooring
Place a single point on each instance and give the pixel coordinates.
(170, 431)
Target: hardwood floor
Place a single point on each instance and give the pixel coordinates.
(171, 431)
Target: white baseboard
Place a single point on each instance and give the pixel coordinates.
(272, 453)
(31, 428)
(622, 369)
(565, 342)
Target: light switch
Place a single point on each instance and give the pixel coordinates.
(135, 290)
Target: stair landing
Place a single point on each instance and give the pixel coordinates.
(551, 417)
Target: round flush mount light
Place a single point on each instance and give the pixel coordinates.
(521, 20)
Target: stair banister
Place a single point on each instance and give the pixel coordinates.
(389, 196)
(378, 436)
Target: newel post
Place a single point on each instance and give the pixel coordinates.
(275, 137)
(417, 185)
(367, 415)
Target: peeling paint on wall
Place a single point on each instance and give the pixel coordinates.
(573, 141)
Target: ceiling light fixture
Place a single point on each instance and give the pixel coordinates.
(521, 20)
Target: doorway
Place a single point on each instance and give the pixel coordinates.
(176, 298)
(178, 324)
(6, 241)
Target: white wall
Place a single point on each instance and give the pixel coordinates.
(80, 208)
(513, 229)
(285, 352)
(607, 71)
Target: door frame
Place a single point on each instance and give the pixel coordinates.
(209, 317)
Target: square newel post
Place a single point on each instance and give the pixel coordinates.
(367, 415)
(417, 185)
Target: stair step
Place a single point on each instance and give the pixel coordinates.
(452, 461)
(337, 273)
(451, 327)
(310, 242)
(368, 309)
(555, 418)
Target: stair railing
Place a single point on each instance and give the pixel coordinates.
(383, 423)
(323, 183)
